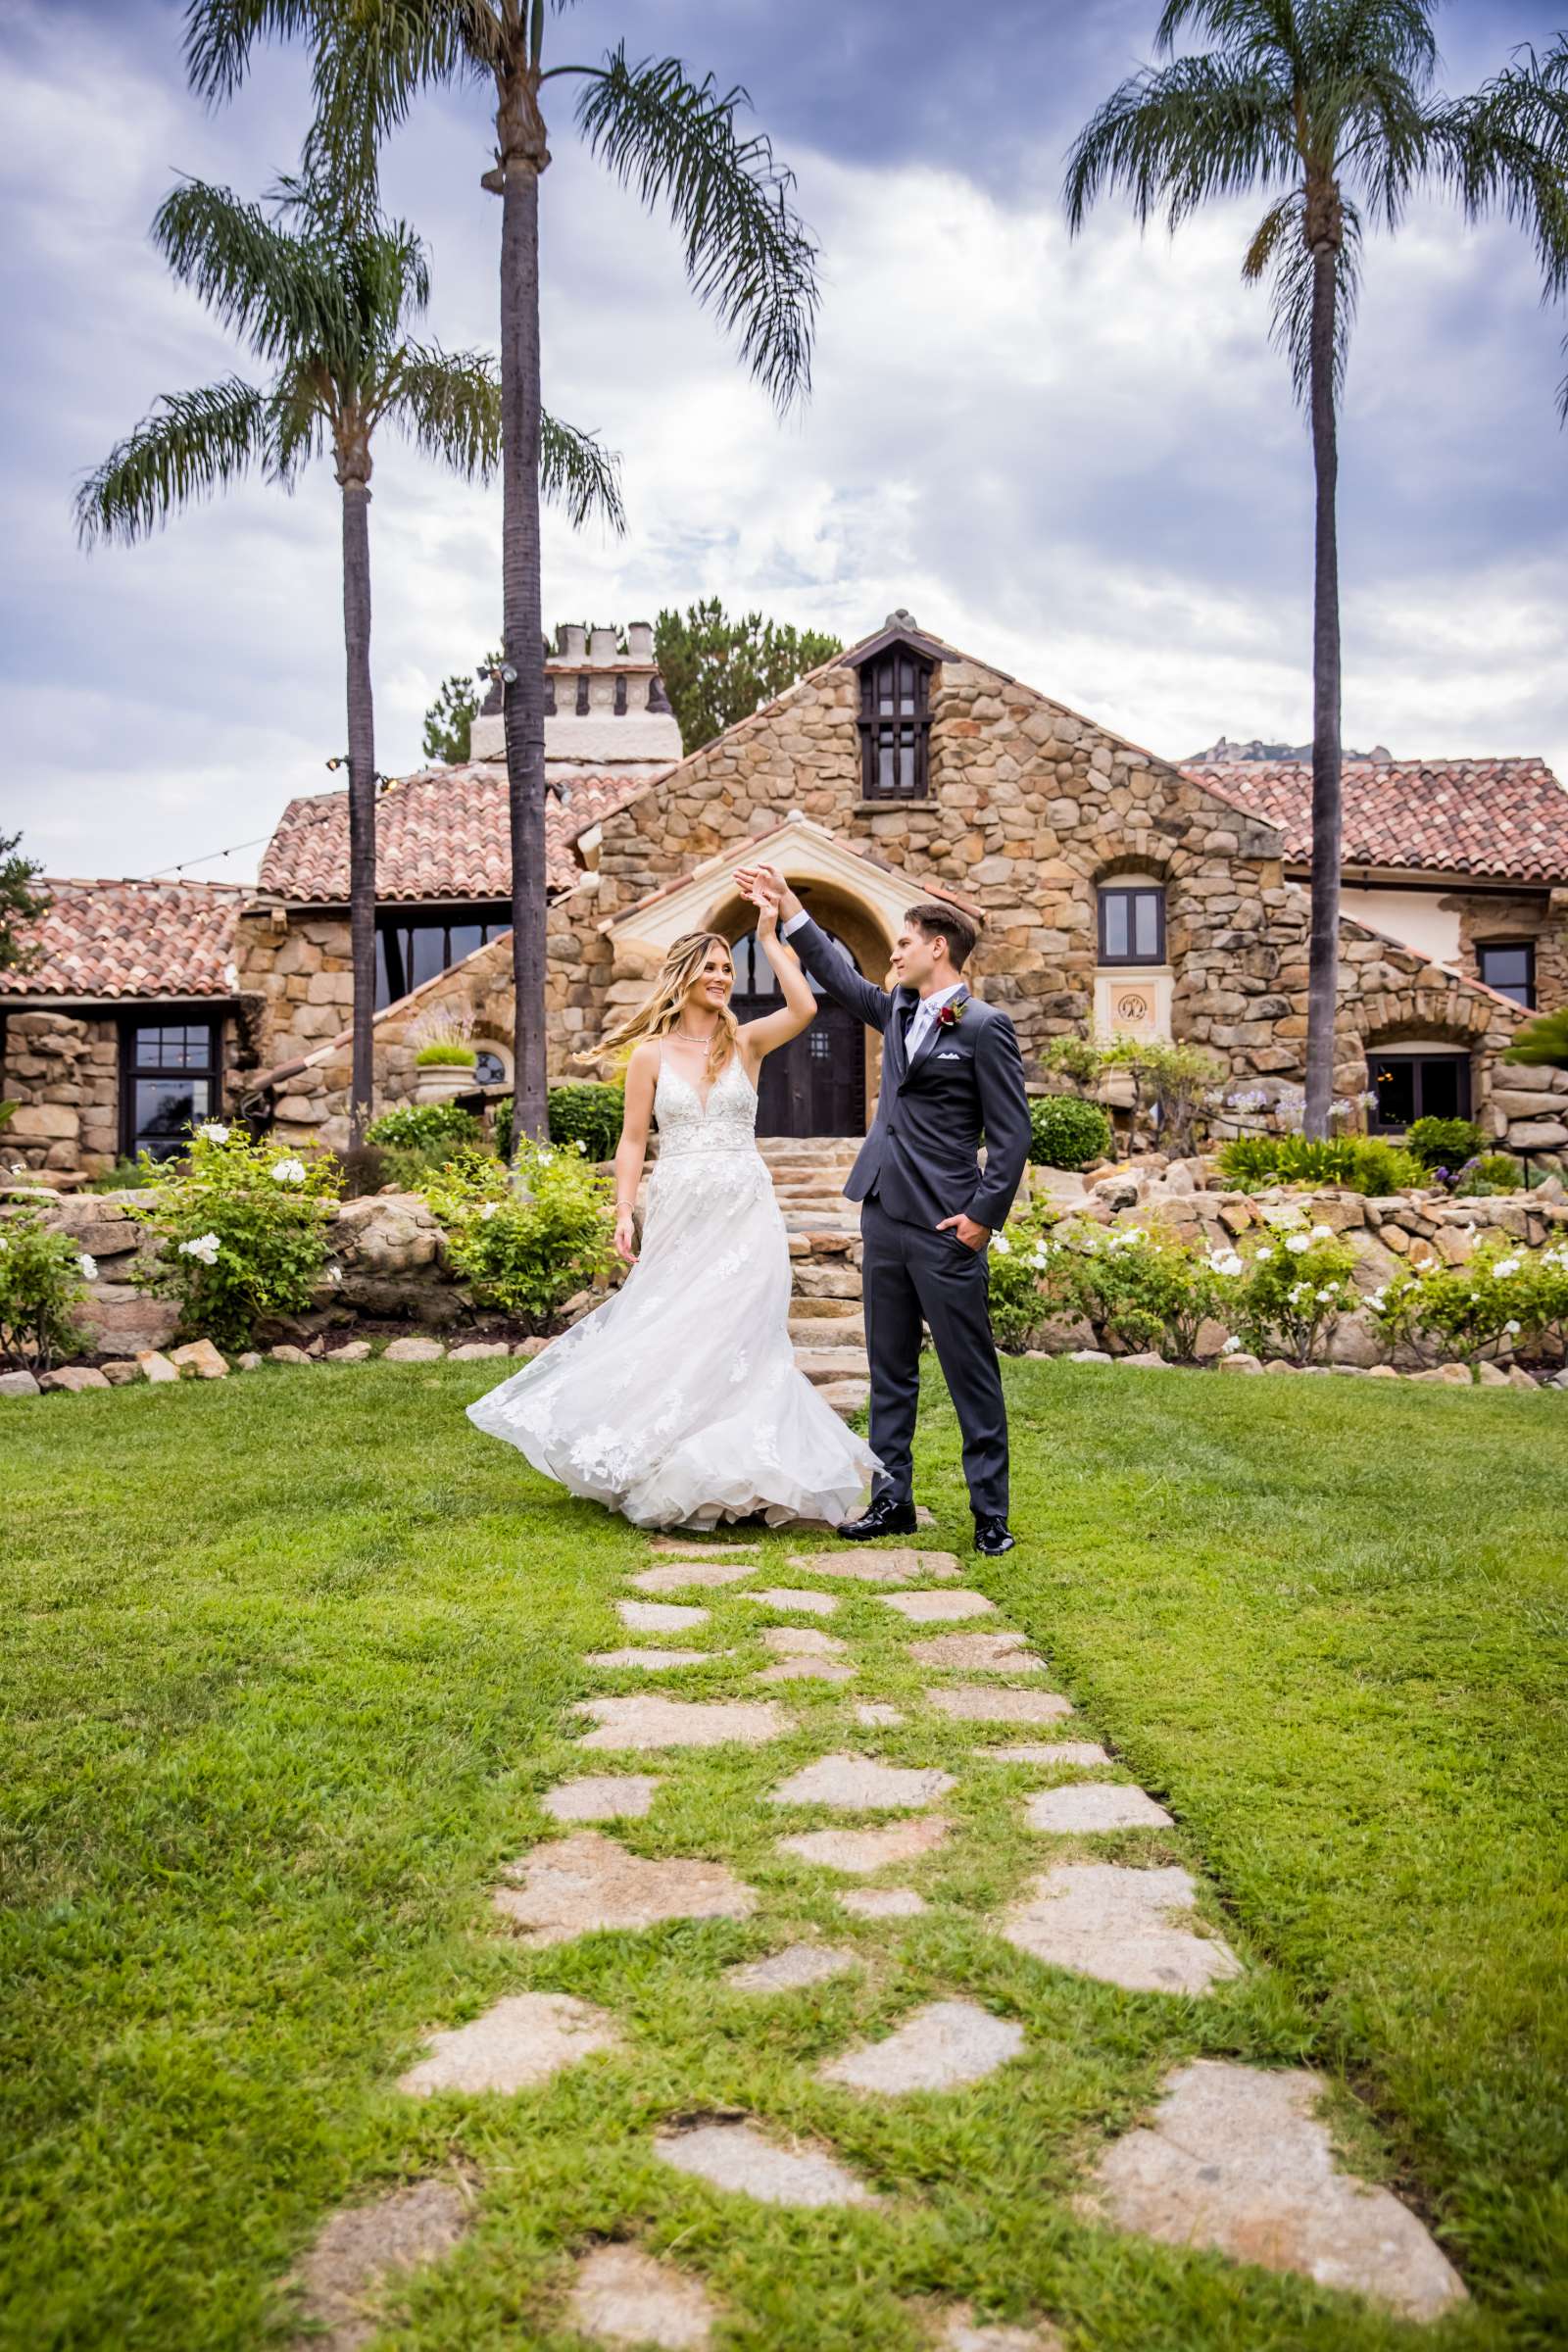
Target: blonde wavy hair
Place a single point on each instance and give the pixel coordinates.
(660, 1010)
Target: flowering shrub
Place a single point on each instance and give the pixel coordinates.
(1489, 1172)
(1503, 1300)
(1141, 1286)
(525, 1239)
(242, 1228)
(424, 1126)
(1016, 1263)
(1067, 1132)
(1296, 1287)
(1176, 1081)
(43, 1280)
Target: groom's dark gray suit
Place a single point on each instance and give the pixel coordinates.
(918, 1164)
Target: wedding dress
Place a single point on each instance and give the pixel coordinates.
(677, 1402)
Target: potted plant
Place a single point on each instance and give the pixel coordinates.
(444, 1059)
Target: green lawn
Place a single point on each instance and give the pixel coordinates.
(287, 1662)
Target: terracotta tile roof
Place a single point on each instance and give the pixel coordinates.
(440, 834)
(132, 939)
(1507, 818)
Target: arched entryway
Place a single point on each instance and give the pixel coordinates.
(816, 1084)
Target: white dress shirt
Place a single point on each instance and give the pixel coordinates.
(925, 1012)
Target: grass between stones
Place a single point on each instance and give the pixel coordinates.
(289, 1663)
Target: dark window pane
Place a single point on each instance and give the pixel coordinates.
(1438, 1085)
(1508, 970)
(1117, 946)
(1392, 1081)
(906, 760)
(383, 986)
(1146, 922)
(165, 1108)
(464, 938)
(884, 765)
(427, 944)
(489, 1069)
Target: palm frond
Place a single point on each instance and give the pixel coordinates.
(1174, 137)
(1507, 149)
(192, 444)
(264, 283)
(1290, 265)
(578, 472)
(748, 253)
(298, 414)
(1260, 30)
(449, 404)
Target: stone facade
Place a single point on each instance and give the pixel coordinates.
(62, 1071)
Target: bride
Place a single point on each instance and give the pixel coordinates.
(677, 1402)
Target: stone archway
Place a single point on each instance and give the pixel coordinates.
(823, 1082)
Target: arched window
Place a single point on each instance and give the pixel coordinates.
(1132, 921)
(488, 1068)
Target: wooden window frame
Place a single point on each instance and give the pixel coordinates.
(131, 1067)
(1419, 1061)
(875, 727)
(1509, 946)
(1131, 890)
(491, 914)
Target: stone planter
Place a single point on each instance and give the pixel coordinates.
(442, 1081)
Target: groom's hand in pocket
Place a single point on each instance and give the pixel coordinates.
(971, 1235)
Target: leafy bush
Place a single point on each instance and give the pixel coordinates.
(1248, 1160)
(243, 1228)
(1362, 1163)
(1068, 1132)
(1178, 1082)
(43, 1280)
(1506, 1298)
(1296, 1286)
(524, 1241)
(1489, 1172)
(446, 1055)
(1444, 1143)
(1543, 1044)
(1076, 1057)
(1014, 1265)
(1141, 1286)
(425, 1127)
(589, 1113)
(126, 1176)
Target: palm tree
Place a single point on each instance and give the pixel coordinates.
(1514, 134)
(325, 302)
(672, 138)
(1326, 107)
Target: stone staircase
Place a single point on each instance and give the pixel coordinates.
(826, 1323)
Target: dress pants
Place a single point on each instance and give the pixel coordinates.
(909, 1274)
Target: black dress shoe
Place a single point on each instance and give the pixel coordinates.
(993, 1537)
(886, 1517)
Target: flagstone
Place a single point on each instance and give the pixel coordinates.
(863, 1850)
(515, 2045)
(943, 2046)
(961, 2331)
(659, 1616)
(648, 1661)
(622, 2295)
(978, 1654)
(790, 1597)
(802, 1642)
(861, 1785)
(895, 1566)
(738, 2157)
(364, 2245)
(602, 1796)
(1125, 1927)
(651, 1720)
(979, 1702)
(797, 1966)
(806, 1670)
(941, 1607)
(1084, 1752)
(677, 1575)
(1237, 2158)
(590, 1881)
(882, 1902)
(875, 1713)
(1091, 1807)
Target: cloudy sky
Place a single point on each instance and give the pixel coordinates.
(1078, 459)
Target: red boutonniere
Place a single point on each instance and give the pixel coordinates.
(949, 1015)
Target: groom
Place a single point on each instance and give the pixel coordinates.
(950, 1071)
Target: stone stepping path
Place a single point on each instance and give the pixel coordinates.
(859, 1784)
(883, 1902)
(604, 1797)
(684, 1576)
(1089, 1807)
(739, 2157)
(1237, 2158)
(590, 1881)
(650, 1721)
(1126, 1927)
(794, 1969)
(366, 2247)
(943, 1607)
(982, 1702)
(944, 2046)
(806, 1670)
(787, 1598)
(1081, 1752)
(660, 1617)
(517, 2045)
(802, 1642)
(863, 1851)
(648, 1661)
(622, 2295)
(978, 1654)
(891, 1567)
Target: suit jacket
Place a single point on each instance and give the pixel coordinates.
(922, 1157)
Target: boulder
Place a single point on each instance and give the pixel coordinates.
(1147, 1359)
(1492, 1376)
(412, 1351)
(534, 1346)
(1066, 1185)
(19, 1384)
(352, 1352)
(120, 1370)
(475, 1351)
(1447, 1376)
(1519, 1378)
(156, 1367)
(202, 1358)
(72, 1378)
(284, 1354)
(250, 1361)
(1356, 1342)
(1241, 1362)
(1538, 1134)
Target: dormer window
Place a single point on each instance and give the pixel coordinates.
(895, 715)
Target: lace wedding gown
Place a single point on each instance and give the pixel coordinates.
(677, 1402)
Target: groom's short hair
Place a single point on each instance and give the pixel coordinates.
(945, 922)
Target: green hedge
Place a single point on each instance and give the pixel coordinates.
(1068, 1132)
(589, 1113)
(425, 1127)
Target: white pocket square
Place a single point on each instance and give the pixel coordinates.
(950, 1058)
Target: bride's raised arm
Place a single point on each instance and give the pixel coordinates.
(799, 1009)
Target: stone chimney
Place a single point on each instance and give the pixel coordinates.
(606, 711)
(602, 647)
(640, 640)
(574, 642)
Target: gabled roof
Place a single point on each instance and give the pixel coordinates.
(132, 939)
(440, 834)
(1503, 818)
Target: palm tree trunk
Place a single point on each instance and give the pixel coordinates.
(523, 633)
(1323, 956)
(362, 798)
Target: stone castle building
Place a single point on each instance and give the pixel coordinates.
(1114, 891)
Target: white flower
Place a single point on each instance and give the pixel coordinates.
(1232, 1345)
(487, 1208)
(1226, 1261)
(1322, 1233)
(1504, 1266)
(1298, 1291)
(214, 1131)
(1298, 1243)
(1262, 1256)
(546, 1157)
(206, 1247)
(1002, 1246)
(1040, 1258)
(1513, 1329)
(1376, 1301)
(88, 1265)
(288, 1172)
(581, 1145)
(1324, 1296)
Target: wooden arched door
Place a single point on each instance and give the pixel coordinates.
(816, 1084)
